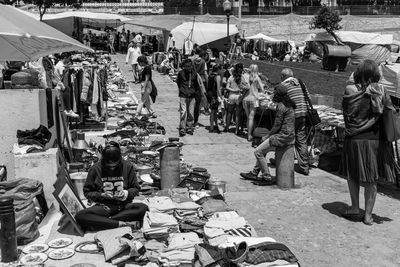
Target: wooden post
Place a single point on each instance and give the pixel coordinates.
(285, 166)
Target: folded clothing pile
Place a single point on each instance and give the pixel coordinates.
(161, 204)
(180, 250)
(159, 225)
(223, 224)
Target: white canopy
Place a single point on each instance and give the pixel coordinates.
(203, 33)
(353, 37)
(262, 36)
(23, 38)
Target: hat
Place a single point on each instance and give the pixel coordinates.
(281, 89)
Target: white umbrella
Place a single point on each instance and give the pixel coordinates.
(22, 38)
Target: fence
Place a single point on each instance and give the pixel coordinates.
(158, 8)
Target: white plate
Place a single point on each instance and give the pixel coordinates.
(35, 248)
(33, 258)
(61, 254)
(150, 153)
(60, 242)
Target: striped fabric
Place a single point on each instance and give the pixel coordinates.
(244, 231)
(296, 94)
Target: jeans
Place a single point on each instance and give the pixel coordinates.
(186, 110)
(260, 152)
(102, 217)
(301, 143)
(197, 98)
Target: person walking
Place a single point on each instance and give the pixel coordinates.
(295, 93)
(237, 85)
(112, 185)
(367, 156)
(282, 134)
(188, 86)
(131, 58)
(250, 100)
(200, 68)
(213, 96)
(147, 86)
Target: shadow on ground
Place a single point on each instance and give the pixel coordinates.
(338, 208)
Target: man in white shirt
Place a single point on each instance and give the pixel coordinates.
(131, 57)
(171, 42)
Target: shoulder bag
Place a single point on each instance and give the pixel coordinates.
(312, 117)
(391, 124)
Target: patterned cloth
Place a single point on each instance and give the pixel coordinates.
(269, 252)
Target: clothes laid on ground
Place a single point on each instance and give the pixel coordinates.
(160, 204)
(159, 225)
(40, 136)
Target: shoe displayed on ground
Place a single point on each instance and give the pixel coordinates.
(190, 132)
(300, 170)
(249, 175)
(181, 133)
(71, 114)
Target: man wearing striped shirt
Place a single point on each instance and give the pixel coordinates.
(296, 94)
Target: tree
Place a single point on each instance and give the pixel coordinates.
(328, 20)
(43, 5)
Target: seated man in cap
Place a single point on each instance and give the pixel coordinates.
(111, 184)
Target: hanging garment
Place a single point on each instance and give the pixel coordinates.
(86, 83)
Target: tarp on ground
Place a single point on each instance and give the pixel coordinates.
(201, 33)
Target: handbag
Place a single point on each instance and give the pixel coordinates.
(312, 116)
(260, 131)
(391, 124)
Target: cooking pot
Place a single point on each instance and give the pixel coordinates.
(217, 184)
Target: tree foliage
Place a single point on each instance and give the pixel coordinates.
(43, 5)
(326, 19)
(181, 3)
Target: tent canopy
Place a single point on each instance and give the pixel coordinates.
(203, 33)
(354, 37)
(24, 38)
(90, 18)
(264, 37)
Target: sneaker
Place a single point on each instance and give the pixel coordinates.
(298, 169)
(71, 114)
(249, 175)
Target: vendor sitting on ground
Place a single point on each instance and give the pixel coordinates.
(111, 184)
(167, 65)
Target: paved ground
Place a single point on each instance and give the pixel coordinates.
(307, 218)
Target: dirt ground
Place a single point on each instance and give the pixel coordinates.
(307, 218)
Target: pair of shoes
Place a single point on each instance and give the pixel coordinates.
(71, 114)
(249, 175)
(298, 169)
(182, 133)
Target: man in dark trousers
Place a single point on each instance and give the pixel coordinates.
(295, 93)
(188, 88)
(112, 185)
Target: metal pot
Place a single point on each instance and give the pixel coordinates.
(217, 184)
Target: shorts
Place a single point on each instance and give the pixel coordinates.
(234, 98)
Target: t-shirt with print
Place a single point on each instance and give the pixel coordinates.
(100, 181)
